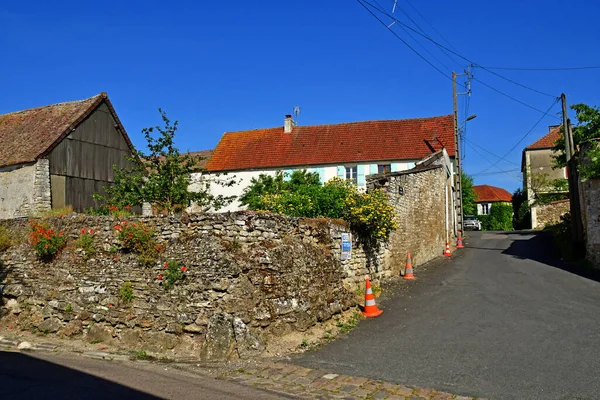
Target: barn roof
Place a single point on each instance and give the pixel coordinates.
(339, 143)
(30, 134)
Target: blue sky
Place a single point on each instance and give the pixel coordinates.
(221, 66)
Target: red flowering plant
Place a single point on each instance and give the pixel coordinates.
(139, 239)
(86, 243)
(174, 273)
(46, 242)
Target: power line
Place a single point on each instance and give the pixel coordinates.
(413, 38)
(544, 69)
(498, 172)
(524, 136)
(402, 40)
(488, 160)
(427, 22)
(451, 51)
(490, 153)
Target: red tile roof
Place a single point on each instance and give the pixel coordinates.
(28, 135)
(547, 141)
(331, 144)
(204, 155)
(487, 193)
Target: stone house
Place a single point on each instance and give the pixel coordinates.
(59, 155)
(486, 196)
(537, 166)
(349, 150)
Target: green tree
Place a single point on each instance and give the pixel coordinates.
(162, 176)
(468, 194)
(500, 218)
(585, 130)
(521, 210)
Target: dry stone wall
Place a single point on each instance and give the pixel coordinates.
(590, 212)
(551, 213)
(25, 189)
(249, 276)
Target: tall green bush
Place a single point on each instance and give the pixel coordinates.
(500, 218)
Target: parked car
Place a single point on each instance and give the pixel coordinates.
(472, 223)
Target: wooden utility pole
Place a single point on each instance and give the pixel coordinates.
(458, 207)
(573, 179)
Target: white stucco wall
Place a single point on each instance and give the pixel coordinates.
(24, 189)
(243, 178)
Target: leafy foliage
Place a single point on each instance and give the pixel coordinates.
(46, 242)
(586, 130)
(139, 239)
(304, 196)
(500, 218)
(126, 292)
(521, 210)
(86, 243)
(5, 239)
(162, 177)
(546, 190)
(468, 195)
(173, 274)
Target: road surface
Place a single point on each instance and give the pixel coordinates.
(503, 319)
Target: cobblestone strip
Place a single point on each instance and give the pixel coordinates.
(309, 383)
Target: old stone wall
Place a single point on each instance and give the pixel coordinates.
(550, 214)
(24, 189)
(249, 276)
(422, 201)
(590, 210)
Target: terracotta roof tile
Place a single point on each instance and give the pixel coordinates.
(487, 193)
(329, 144)
(27, 135)
(546, 141)
(204, 154)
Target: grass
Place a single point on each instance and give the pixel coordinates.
(304, 343)
(141, 355)
(56, 212)
(69, 308)
(126, 292)
(5, 239)
(348, 325)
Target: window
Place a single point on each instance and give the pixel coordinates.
(485, 208)
(384, 168)
(352, 173)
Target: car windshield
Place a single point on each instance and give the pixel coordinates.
(470, 218)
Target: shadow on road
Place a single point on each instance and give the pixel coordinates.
(27, 377)
(540, 247)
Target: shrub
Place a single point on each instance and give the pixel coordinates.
(499, 219)
(86, 243)
(138, 239)
(173, 274)
(44, 240)
(5, 239)
(126, 292)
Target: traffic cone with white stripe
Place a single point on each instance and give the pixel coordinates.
(371, 309)
(447, 251)
(408, 272)
(459, 243)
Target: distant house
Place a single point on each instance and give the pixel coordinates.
(349, 150)
(538, 170)
(59, 155)
(487, 196)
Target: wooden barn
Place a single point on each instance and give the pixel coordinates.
(59, 155)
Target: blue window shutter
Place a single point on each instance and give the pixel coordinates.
(361, 175)
(341, 173)
(411, 165)
(321, 172)
(287, 174)
(395, 167)
(373, 169)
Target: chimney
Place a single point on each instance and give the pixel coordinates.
(552, 127)
(288, 124)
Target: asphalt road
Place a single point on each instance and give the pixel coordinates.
(502, 319)
(64, 376)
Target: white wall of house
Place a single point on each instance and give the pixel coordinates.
(326, 172)
(24, 189)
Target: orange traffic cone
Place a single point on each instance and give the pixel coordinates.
(447, 251)
(408, 272)
(371, 309)
(459, 243)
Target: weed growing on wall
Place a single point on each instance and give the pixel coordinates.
(173, 274)
(139, 239)
(86, 243)
(5, 239)
(46, 242)
(126, 292)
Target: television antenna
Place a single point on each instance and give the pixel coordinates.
(297, 113)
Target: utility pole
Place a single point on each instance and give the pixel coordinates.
(459, 199)
(573, 179)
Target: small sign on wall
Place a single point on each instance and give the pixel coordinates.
(346, 246)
